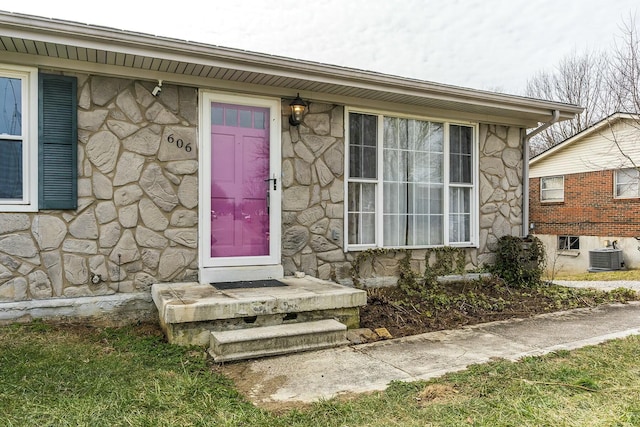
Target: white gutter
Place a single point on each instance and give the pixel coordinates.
(555, 116)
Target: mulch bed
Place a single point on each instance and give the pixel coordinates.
(461, 304)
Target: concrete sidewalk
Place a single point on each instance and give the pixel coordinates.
(307, 377)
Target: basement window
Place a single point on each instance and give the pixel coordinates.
(568, 243)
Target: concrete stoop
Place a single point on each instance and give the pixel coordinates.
(244, 323)
(274, 340)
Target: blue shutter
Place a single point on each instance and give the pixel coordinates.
(57, 142)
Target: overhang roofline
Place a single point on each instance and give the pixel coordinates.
(42, 37)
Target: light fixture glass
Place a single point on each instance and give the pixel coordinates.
(297, 109)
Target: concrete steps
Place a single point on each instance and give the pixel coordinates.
(243, 323)
(273, 340)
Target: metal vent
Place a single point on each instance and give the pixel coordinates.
(605, 259)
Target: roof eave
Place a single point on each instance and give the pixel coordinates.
(127, 42)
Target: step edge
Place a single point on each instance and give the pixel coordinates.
(289, 350)
(299, 329)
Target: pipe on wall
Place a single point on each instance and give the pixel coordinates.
(555, 115)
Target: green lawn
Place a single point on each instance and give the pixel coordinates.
(601, 275)
(52, 376)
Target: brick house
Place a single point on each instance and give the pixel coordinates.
(585, 196)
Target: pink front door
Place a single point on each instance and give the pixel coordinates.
(240, 181)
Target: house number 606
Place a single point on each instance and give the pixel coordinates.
(179, 143)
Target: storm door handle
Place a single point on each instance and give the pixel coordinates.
(275, 180)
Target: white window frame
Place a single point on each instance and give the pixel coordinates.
(543, 199)
(29, 137)
(379, 181)
(616, 184)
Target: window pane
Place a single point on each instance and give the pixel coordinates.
(628, 190)
(460, 214)
(390, 133)
(231, 117)
(421, 230)
(369, 162)
(361, 205)
(459, 228)
(391, 165)
(355, 155)
(554, 182)
(403, 134)
(422, 200)
(245, 119)
(362, 197)
(11, 105)
(391, 230)
(11, 170)
(436, 137)
(370, 127)
(436, 236)
(421, 168)
(361, 229)
(436, 201)
(420, 140)
(460, 154)
(553, 195)
(258, 120)
(362, 145)
(217, 116)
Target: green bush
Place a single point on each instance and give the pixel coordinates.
(519, 261)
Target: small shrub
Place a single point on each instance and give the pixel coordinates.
(519, 261)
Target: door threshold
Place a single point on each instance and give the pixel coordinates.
(239, 274)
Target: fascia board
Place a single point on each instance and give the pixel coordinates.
(124, 42)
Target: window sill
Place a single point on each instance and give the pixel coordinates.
(412, 248)
(552, 202)
(568, 252)
(18, 208)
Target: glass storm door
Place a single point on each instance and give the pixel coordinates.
(242, 186)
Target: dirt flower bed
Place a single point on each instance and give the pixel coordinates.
(452, 306)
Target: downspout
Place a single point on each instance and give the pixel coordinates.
(525, 168)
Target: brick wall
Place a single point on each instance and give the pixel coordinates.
(589, 208)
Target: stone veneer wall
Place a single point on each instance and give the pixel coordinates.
(313, 193)
(136, 221)
(313, 198)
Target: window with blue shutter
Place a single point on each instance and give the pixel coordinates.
(57, 142)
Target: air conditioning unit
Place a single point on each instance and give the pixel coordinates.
(605, 259)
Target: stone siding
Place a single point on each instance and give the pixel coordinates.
(313, 200)
(501, 192)
(136, 221)
(313, 193)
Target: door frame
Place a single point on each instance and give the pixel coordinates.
(238, 268)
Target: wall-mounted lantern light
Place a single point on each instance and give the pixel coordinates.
(297, 109)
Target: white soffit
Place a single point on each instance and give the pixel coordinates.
(72, 46)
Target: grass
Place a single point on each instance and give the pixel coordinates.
(601, 275)
(66, 376)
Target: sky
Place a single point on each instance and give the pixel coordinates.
(492, 45)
